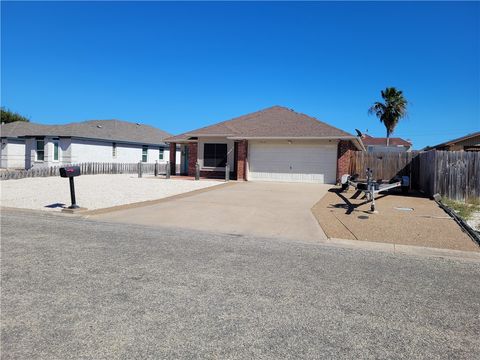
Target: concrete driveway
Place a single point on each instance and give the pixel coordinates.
(244, 208)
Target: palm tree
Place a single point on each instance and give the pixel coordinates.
(391, 110)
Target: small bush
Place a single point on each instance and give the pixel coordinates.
(463, 209)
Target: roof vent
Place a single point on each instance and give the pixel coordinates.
(99, 126)
(138, 124)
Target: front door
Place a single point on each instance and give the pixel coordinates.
(184, 161)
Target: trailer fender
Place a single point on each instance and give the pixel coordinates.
(344, 181)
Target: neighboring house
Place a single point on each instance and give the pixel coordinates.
(275, 144)
(379, 144)
(26, 145)
(470, 142)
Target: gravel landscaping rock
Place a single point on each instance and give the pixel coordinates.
(92, 191)
(425, 225)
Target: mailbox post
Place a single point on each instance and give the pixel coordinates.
(70, 172)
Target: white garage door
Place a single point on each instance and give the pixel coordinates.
(295, 162)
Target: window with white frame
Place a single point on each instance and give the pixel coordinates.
(56, 150)
(144, 154)
(160, 153)
(40, 149)
(114, 150)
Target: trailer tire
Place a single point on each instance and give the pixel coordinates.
(345, 187)
(405, 189)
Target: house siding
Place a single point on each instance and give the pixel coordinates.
(12, 154)
(384, 148)
(83, 150)
(215, 140)
(461, 145)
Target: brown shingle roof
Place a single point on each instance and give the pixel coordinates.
(112, 130)
(276, 121)
(462, 138)
(369, 140)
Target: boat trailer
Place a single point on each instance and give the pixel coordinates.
(371, 187)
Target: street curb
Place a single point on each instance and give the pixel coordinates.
(405, 249)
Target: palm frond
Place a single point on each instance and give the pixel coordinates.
(391, 110)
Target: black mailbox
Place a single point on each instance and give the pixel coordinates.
(70, 171)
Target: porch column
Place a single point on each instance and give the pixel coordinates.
(192, 158)
(173, 158)
(242, 149)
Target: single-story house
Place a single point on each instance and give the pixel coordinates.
(470, 142)
(25, 145)
(274, 144)
(379, 144)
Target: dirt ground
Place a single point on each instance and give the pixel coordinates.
(427, 225)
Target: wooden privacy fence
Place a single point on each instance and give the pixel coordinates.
(90, 168)
(384, 165)
(457, 174)
(453, 174)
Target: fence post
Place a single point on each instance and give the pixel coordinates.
(140, 169)
(155, 171)
(167, 170)
(227, 172)
(197, 171)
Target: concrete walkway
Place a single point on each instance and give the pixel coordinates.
(244, 208)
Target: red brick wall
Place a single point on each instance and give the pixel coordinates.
(242, 160)
(173, 157)
(192, 158)
(344, 154)
(212, 174)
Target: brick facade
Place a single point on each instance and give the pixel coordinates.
(344, 155)
(242, 151)
(173, 158)
(192, 158)
(209, 174)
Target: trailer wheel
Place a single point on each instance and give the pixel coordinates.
(345, 187)
(372, 208)
(405, 189)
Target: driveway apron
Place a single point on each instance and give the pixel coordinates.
(269, 209)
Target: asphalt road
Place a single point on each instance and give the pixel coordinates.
(78, 289)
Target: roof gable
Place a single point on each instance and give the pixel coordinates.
(381, 141)
(112, 130)
(276, 121)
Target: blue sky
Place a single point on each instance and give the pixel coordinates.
(180, 66)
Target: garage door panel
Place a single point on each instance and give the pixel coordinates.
(292, 162)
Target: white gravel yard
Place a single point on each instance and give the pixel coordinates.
(92, 191)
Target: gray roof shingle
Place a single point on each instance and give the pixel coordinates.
(112, 130)
(276, 121)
